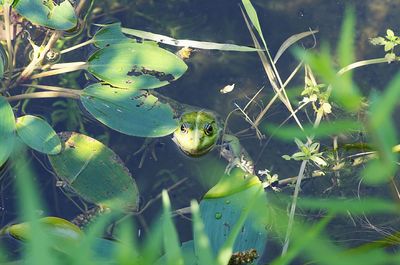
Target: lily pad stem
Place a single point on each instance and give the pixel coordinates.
(60, 71)
(46, 94)
(77, 46)
(54, 88)
(6, 10)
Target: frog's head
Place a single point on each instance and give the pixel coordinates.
(197, 133)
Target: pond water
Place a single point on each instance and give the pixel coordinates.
(208, 72)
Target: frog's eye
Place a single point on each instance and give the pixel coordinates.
(208, 129)
(184, 127)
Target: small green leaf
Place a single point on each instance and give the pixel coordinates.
(378, 41)
(131, 112)
(389, 33)
(389, 46)
(7, 130)
(95, 173)
(38, 134)
(48, 14)
(136, 66)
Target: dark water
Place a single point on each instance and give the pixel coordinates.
(209, 71)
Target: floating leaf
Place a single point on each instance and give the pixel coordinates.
(95, 172)
(38, 134)
(136, 113)
(7, 130)
(63, 232)
(47, 13)
(136, 65)
(110, 34)
(227, 205)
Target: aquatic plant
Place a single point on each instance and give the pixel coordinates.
(232, 220)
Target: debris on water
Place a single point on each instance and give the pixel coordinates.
(227, 89)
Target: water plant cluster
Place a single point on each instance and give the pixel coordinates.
(237, 220)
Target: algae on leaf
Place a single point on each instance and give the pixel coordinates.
(136, 65)
(95, 172)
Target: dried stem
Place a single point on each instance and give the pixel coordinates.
(60, 71)
(6, 12)
(46, 94)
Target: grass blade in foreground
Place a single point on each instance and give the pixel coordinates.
(201, 243)
(7, 130)
(171, 241)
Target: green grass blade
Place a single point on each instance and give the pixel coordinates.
(201, 241)
(346, 41)
(38, 247)
(325, 129)
(171, 241)
(251, 12)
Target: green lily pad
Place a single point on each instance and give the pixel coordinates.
(47, 13)
(220, 211)
(131, 112)
(7, 130)
(136, 65)
(38, 134)
(61, 230)
(110, 34)
(95, 172)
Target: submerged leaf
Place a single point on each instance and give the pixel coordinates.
(136, 65)
(38, 134)
(136, 113)
(7, 130)
(95, 172)
(48, 14)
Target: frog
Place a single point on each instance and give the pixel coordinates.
(200, 131)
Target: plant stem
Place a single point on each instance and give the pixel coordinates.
(293, 206)
(46, 94)
(60, 71)
(36, 61)
(77, 46)
(6, 10)
(55, 88)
